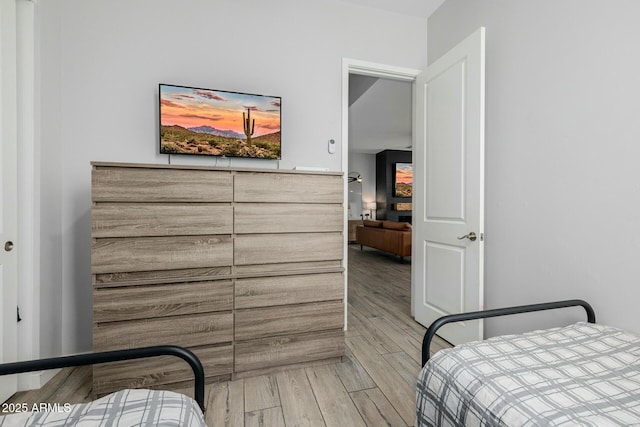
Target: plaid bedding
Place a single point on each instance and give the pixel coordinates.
(580, 375)
(125, 408)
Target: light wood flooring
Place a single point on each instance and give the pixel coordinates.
(373, 386)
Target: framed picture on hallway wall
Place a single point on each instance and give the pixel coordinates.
(403, 179)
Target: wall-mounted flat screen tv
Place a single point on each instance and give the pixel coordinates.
(219, 123)
(403, 180)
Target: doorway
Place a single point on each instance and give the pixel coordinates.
(448, 211)
(382, 80)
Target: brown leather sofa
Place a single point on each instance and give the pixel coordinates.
(388, 236)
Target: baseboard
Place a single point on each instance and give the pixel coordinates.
(35, 380)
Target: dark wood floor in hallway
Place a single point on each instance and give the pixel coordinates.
(373, 386)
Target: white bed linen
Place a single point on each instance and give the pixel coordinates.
(125, 408)
(580, 375)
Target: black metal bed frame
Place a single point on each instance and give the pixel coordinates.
(115, 356)
(431, 331)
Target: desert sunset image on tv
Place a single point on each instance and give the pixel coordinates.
(404, 180)
(219, 123)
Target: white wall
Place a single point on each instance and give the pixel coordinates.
(47, 133)
(562, 150)
(100, 65)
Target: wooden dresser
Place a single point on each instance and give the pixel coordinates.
(242, 266)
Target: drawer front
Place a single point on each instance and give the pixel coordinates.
(143, 302)
(287, 218)
(184, 331)
(280, 351)
(121, 184)
(288, 319)
(298, 247)
(143, 219)
(287, 188)
(113, 255)
(289, 268)
(283, 290)
(109, 377)
(138, 278)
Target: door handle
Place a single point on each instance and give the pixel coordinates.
(471, 236)
(8, 246)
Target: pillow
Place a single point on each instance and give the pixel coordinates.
(392, 225)
(372, 223)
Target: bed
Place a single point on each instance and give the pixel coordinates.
(123, 408)
(582, 374)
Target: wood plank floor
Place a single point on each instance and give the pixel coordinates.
(373, 386)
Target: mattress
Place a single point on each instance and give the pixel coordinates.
(583, 374)
(124, 408)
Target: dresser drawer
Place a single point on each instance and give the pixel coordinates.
(280, 351)
(154, 219)
(109, 377)
(288, 319)
(143, 302)
(283, 290)
(113, 255)
(139, 278)
(184, 331)
(287, 218)
(287, 188)
(293, 247)
(123, 184)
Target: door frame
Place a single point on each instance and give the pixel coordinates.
(9, 181)
(24, 23)
(29, 203)
(370, 69)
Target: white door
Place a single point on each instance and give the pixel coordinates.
(447, 268)
(8, 191)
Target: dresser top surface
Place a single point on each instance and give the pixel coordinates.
(95, 164)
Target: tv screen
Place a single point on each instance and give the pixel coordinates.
(219, 123)
(403, 179)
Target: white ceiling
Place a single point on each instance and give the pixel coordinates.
(419, 8)
(380, 118)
